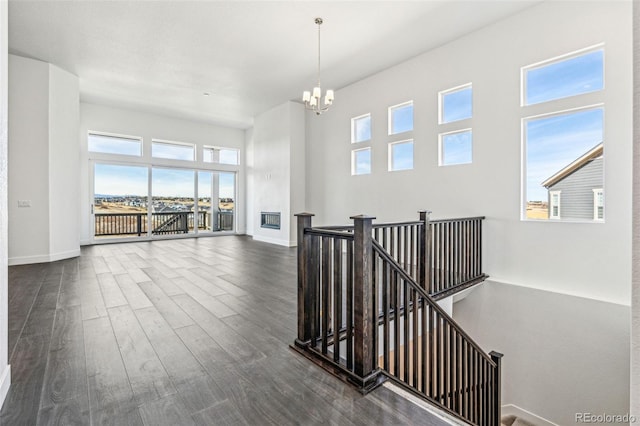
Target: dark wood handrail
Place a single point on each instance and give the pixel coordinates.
(380, 251)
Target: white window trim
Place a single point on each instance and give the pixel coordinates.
(353, 161)
(168, 142)
(390, 155)
(551, 215)
(597, 191)
(441, 148)
(390, 117)
(570, 55)
(353, 128)
(441, 96)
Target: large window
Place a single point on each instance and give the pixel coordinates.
(109, 144)
(563, 149)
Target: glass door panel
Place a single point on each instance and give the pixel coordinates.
(216, 201)
(120, 196)
(173, 202)
(226, 200)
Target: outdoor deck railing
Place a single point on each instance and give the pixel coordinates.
(114, 224)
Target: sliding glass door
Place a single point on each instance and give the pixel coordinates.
(120, 200)
(143, 201)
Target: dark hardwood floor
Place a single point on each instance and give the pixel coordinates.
(174, 332)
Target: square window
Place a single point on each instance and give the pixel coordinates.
(173, 150)
(401, 118)
(574, 75)
(456, 104)
(456, 148)
(563, 152)
(120, 145)
(212, 154)
(361, 161)
(401, 155)
(361, 128)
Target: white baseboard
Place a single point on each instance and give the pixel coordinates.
(514, 410)
(45, 258)
(5, 383)
(274, 241)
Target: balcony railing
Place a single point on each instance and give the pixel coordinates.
(123, 224)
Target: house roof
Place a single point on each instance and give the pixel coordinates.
(580, 162)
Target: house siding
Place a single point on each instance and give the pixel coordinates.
(576, 197)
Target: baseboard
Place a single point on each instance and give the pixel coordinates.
(273, 241)
(514, 410)
(5, 383)
(45, 258)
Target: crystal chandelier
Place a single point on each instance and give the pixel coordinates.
(312, 99)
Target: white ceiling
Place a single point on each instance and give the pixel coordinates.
(161, 56)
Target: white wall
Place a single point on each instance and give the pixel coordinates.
(5, 369)
(562, 354)
(106, 119)
(635, 302)
(64, 163)
(43, 158)
(585, 259)
(276, 150)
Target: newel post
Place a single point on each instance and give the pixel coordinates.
(305, 295)
(424, 266)
(497, 377)
(364, 315)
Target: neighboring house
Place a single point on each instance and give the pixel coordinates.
(577, 190)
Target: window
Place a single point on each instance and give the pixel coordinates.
(401, 118)
(574, 74)
(121, 145)
(212, 154)
(456, 148)
(563, 151)
(361, 161)
(456, 104)
(361, 128)
(554, 205)
(173, 150)
(401, 155)
(598, 204)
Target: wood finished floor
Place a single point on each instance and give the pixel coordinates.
(179, 332)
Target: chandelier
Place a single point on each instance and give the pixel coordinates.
(312, 99)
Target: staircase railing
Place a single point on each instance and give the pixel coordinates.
(363, 315)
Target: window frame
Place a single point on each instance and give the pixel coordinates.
(115, 136)
(174, 143)
(390, 155)
(446, 92)
(390, 117)
(221, 148)
(597, 204)
(353, 128)
(441, 149)
(551, 205)
(558, 59)
(354, 162)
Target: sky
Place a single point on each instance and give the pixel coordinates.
(132, 180)
(457, 148)
(554, 142)
(402, 156)
(457, 105)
